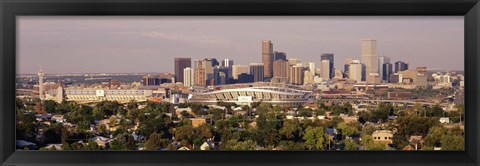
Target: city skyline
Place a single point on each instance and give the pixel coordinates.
(39, 51)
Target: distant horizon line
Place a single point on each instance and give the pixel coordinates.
(46, 73)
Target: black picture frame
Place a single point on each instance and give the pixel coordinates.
(9, 9)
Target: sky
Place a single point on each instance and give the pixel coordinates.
(137, 44)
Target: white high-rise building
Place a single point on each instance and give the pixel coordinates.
(227, 63)
(355, 71)
(325, 70)
(188, 77)
(311, 68)
(41, 75)
(369, 56)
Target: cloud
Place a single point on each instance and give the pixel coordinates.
(203, 40)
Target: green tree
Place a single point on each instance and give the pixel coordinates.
(53, 134)
(369, 144)
(364, 116)
(346, 129)
(369, 129)
(291, 145)
(267, 130)
(112, 121)
(122, 111)
(65, 135)
(67, 146)
(155, 142)
(452, 142)
(291, 129)
(204, 131)
(117, 145)
(98, 114)
(238, 145)
(350, 144)
(305, 112)
(185, 133)
(314, 138)
(19, 104)
(25, 122)
(50, 106)
(91, 145)
(39, 108)
(434, 136)
(382, 112)
(437, 111)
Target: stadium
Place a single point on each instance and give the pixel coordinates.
(284, 96)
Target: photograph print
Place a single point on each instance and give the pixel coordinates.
(240, 83)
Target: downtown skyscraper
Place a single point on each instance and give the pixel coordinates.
(279, 55)
(382, 60)
(369, 56)
(280, 71)
(400, 66)
(257, 71)
(330, 58)
(239, 69)
(188, 77)
(180, 64)
(267, 58)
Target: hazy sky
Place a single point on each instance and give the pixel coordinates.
(149, 44)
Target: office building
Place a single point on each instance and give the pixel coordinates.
(308, 78)
(166, 77)
(312, 68)
(369, 56)
(221, 78)
(257, 71)
(338, 73)
(227, 63)
(382, 60)
(280, 69)
(422, 70)
(150, 80)
(221, 75)
(293, 61)
(347, 63)
(413, 77)
(208, 65)
(199, 77)
(374, 78)
(279, 55)
(355, 71)
(245, 78)
(237, 70)
(214, 62)
(296, 75)
(387, 71)
(325, 70)
(267, 58)
(188, 77)
(330, 58)
(400, 66)
(180, 64)
(395, 78)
